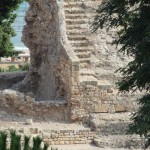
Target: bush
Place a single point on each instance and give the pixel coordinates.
(2, 70)
(15, 143)
(25, 67)
(12, 68)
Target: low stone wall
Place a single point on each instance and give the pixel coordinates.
(57, 137)
(87, 99)
(23, 104)
(62, 137)
(10, 78)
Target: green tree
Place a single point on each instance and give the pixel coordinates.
(131, 18)
(7, 17)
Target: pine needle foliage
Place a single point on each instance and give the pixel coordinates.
(131, 18)
(7, 17)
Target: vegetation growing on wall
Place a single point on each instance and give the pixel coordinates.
(133, 19)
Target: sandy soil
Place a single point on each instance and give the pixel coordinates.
(14, 121)
(82, 147)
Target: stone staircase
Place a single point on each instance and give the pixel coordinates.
(111, 131)
(79, 14)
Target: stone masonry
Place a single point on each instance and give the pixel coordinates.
(70, 65)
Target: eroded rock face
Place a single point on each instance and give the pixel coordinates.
(69, 63)
(48, 74)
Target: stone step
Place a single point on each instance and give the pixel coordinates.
(111, 127)
(77, 16)
(71, 27)
(77, 32)
(74, 11)
(110, 124)
(80, 3)
(83, 49)
(79, 43)
(83, 54)
(86, 72)
(88, 80)
(84, 65)
(104, 84)
(77, 21)
(76, 38)
(119, 141)
(85, 60)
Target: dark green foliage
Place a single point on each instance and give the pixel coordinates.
(12, 68)
(37, 143)
(25, 67)
(45, 147)
(26, 143)
(141, 118)
(132, 20)
(16, 142)
(133, 35)
(7, 17)
(3, 138)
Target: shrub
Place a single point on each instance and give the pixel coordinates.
(12, 68)
(25, 67)
(15, 143)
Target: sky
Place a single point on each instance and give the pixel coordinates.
(18, 26)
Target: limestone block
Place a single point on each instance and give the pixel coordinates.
(101, 108)
(29, 122)
(119, 108)
(88, 80)
(104, 85)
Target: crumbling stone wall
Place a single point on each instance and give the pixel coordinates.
(58, 35)
(49, 77)
(23, 104)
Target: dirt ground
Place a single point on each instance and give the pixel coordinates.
(14, 121)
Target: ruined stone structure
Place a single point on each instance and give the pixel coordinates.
(71, 76)
(71, 64)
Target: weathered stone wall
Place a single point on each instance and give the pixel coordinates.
(21, 104)
(70, 63)
(49, 76)
(94, 90)
(62, 137)
(57, 137)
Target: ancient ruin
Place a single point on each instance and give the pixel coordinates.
(72, 74)
(69, 63)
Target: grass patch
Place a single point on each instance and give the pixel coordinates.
(13, 68)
